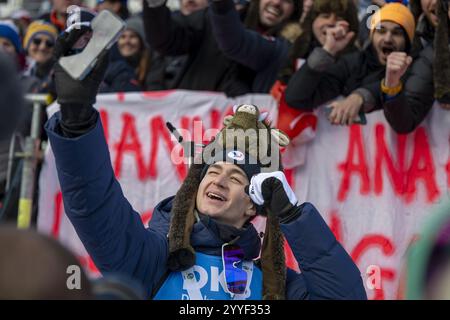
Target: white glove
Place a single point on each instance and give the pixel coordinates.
(256, 187)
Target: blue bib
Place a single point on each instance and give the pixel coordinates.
(211, 280)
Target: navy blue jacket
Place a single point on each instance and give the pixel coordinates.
(115, 237)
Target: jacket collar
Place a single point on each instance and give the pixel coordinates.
(209, 235)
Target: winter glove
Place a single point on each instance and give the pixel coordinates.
(76, 97)
(272, 191)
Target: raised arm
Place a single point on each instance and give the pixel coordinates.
(243, 45)
(407, 109)
(168, 36)
(111, 231)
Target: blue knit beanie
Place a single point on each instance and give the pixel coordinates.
(9, 31)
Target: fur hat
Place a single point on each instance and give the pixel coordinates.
(234, 136)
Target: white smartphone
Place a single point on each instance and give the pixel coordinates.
(106, 29)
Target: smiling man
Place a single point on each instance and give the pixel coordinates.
(357, 75)
(274, 12)
(220, 195)
(200, 244)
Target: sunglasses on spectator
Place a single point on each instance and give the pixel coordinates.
(235, 276)
(48, 43)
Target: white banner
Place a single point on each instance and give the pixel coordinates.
(372, 186)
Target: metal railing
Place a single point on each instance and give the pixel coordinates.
(31, 155)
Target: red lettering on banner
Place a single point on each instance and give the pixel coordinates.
(57, 215)
(396, 172)
(157, 94)
(216, 122)
(291, 262)
(402, 179)
(388, 249)
(129, 143)
(350, 167)
(146, 217)
(120, 96)
(105, 124)
(88, 263)
(422, 167)
(187, 124)
(290, 177)
(158, 129)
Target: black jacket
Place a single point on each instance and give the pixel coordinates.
(207, 68)
(321, 79)
(407, 110)
(121, 76)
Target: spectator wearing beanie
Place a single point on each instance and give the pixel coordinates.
(139, 69)
(428, 80)
(10, 41)
(39, 43)
(356, 76)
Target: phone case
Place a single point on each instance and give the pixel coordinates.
(106, 29)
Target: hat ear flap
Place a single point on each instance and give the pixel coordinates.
(181, 253)
(273, 260)
(280, 137)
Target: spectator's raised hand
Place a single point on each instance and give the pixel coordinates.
(396, 66)
(345, 111)
(338, 38)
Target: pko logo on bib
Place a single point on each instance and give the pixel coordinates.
(236, 155)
